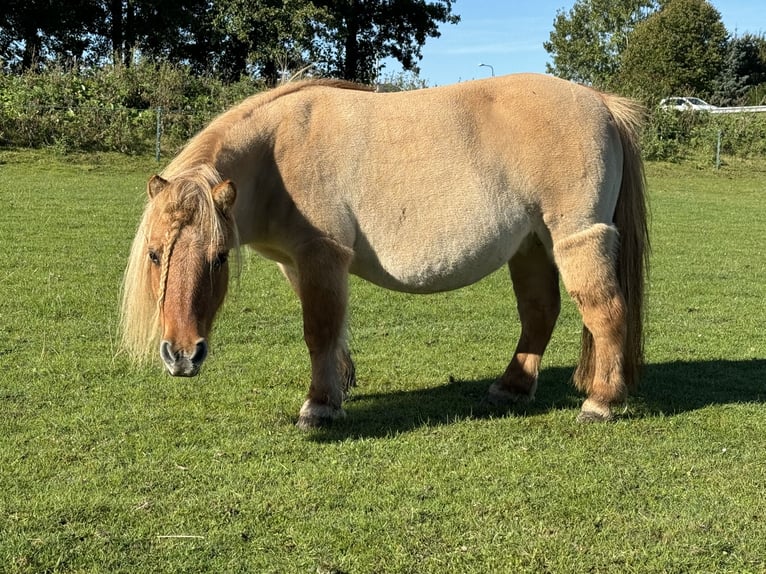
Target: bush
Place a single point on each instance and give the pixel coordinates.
(115, 109)
(672, 135)
(110, 109)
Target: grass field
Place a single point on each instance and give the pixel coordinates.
(109, 468)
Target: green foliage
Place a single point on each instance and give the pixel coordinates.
(400, 81)
(276, 36)
(742, 134)
(226, 39)
(114, 109)
(587, 41)
(337, 38)
(32, 31)
(673, 135)
(654, 49)
(107, 468)
(110, 108)
(678, 50)
(665, 135)
(743, 81)
(743, 68)
(756, 95)
(358, 34)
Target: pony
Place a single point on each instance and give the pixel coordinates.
(421, 191)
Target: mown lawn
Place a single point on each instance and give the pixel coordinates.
(110, 468)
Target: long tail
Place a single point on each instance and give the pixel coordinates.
(631, 220)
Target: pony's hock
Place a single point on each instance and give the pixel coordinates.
(420, 191)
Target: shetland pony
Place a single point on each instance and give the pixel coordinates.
(420, 191)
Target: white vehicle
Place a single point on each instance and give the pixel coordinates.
(686, 104)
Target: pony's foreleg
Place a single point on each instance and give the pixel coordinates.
(536, 284)
(322, 273)
(348, 367)
(587, 262)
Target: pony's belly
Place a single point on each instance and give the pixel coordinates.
(432, 270)
(430, 242)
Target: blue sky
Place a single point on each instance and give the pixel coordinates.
(509, 34)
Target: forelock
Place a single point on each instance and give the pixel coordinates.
(189, 201)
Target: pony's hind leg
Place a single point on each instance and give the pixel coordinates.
(587, 263)
(322, 278)
(536, 284)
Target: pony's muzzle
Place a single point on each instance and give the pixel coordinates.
(180, 363)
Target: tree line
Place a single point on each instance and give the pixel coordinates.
(645, 48)
(224, 39)
(658, 48)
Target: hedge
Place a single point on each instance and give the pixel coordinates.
(115, 109)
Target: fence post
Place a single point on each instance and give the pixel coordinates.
(718, 150)
(159, 133)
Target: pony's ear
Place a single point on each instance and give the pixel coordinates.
(156, 185)
(224, 195)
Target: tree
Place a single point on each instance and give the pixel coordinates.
(36, 31)
(742, 69)
(157, 29)
(587, 42)
(276, 35)
(756, 95)
(226, 38)
(33, 31)
(357, 34)
(340, 38)
(678, 50)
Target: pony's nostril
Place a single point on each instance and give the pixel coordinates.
(200, 352)
(167, 354)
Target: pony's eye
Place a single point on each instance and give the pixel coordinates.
(220, 260)
(154, 257)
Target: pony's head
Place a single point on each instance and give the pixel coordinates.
(178, 271)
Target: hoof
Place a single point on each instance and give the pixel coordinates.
(593, 412)
(499, 394)
(314, 415)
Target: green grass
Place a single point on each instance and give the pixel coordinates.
(108, 468)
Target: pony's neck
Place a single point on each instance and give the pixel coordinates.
(226, 142)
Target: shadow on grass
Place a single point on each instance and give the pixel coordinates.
(666, 389)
